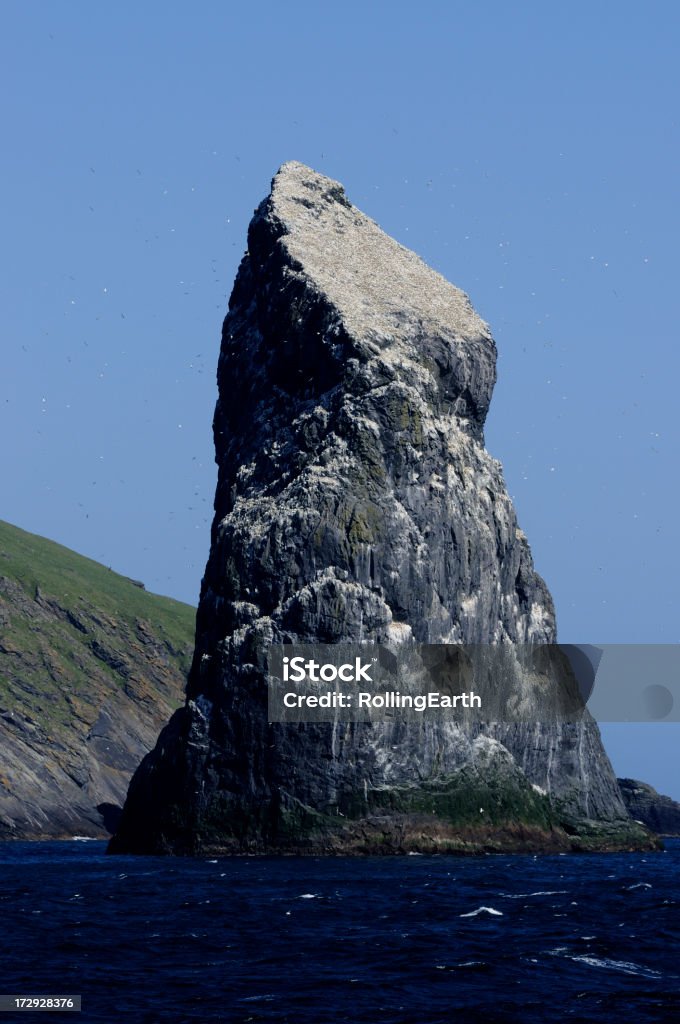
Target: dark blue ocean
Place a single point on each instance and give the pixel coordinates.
(375, 940)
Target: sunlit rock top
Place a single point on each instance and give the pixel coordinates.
(374, 282)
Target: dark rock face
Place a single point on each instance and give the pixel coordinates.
(355, 502)
(659, 813)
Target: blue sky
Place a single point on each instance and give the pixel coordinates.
(528, 151)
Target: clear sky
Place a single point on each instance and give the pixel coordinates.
(528, 151)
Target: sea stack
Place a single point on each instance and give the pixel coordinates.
(356, 502)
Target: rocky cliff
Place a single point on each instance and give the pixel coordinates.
(644, 804)
(91, 666)
(356, 502)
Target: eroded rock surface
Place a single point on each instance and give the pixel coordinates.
(659, 813)
(356, 502)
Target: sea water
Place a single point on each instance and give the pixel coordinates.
(311, 940)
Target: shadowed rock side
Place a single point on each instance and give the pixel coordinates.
(356, 502)
(647, 806)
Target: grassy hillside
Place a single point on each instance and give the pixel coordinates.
(73, 580)
(91, 667)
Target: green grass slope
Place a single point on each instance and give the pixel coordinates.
(91, 667)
